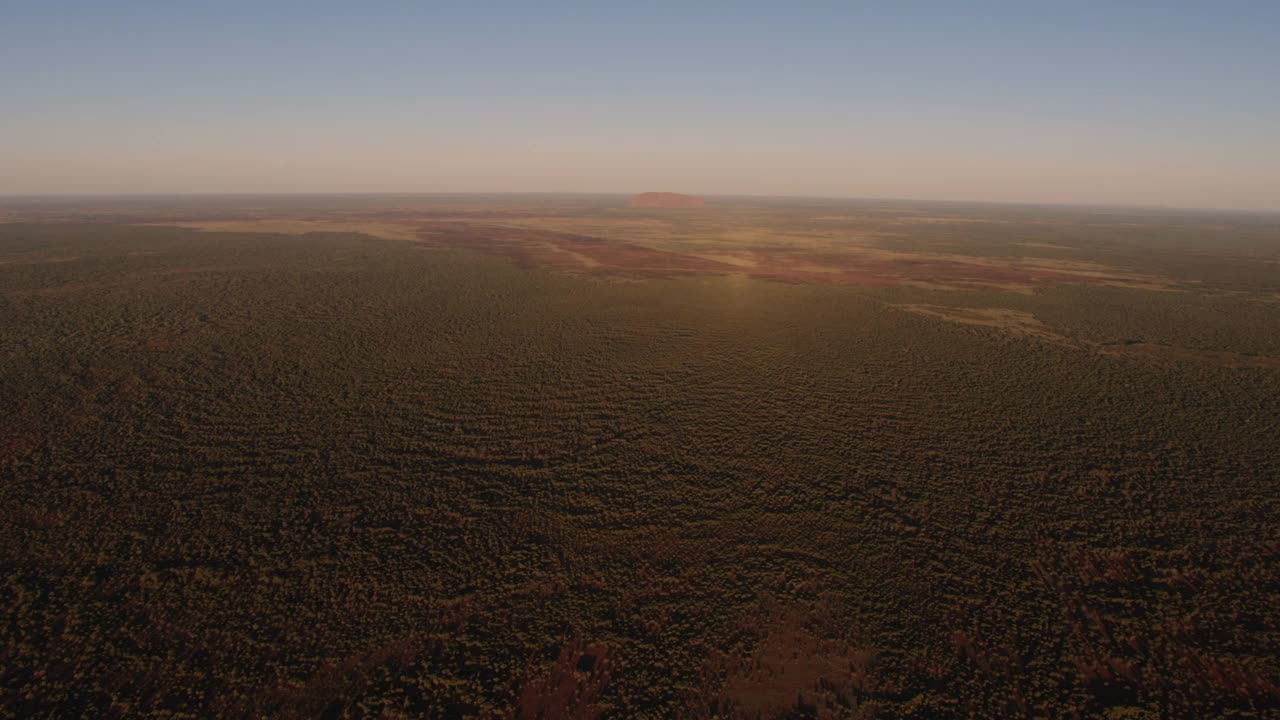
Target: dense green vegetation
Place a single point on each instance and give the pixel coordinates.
(328, 475)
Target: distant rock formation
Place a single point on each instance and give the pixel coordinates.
(667, 200)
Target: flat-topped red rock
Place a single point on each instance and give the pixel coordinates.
(667, 200)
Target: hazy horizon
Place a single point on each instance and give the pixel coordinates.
(1171, 107)
(623, 196)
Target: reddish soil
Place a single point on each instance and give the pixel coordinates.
(531, 247)
(542, 248)
(667, 200)
(566, 251)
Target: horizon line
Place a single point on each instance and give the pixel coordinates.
(573, 193)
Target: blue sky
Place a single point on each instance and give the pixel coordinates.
(1146, 103)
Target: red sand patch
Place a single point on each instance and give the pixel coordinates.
(556, 250)
(541, 248)
(565, 251)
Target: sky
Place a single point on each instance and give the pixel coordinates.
(1142, 103)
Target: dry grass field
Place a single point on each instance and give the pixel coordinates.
(553, 457)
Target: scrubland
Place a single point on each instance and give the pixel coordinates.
(983, 462)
